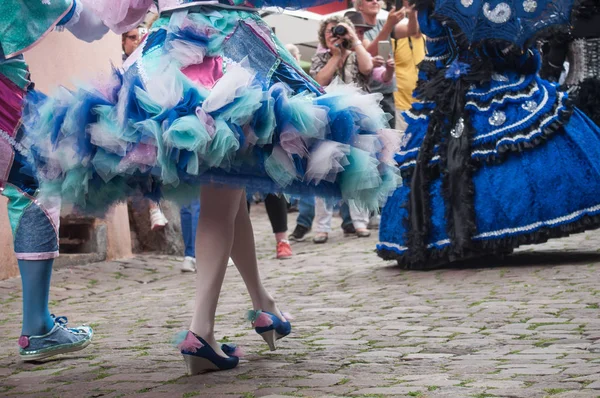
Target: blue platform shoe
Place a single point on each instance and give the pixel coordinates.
(200, 357)
(270, 327)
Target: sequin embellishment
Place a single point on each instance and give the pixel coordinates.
(498, 118)
(530, 5)
(530, 106)
(459, 129)
(500, 14)
(499, 78)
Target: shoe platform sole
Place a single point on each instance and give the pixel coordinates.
(198, 365)
(64, 349)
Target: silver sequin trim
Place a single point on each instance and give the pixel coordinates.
(415, 117)
(499, 78)
(500, 14)
(530, 106)
(458, 129)
(440, 58)
(530, 5)
(18, 147)
(466, 3)
(498, 118)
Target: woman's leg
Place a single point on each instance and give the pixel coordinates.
(35, 279)
(360, 219)
(243, 254)
(324, 213)
(157, 217)
(185, 214)
(277, 210)
(214, 240)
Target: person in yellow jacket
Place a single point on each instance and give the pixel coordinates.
(408, 54)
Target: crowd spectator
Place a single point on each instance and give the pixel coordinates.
(341, 55)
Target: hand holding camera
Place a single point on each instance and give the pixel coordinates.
(345, 36)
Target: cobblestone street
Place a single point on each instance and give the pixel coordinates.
(525, 326)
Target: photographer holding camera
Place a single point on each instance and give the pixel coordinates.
(342, 55)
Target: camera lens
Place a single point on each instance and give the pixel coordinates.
(339, 30)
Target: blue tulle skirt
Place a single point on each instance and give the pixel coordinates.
(211, 96)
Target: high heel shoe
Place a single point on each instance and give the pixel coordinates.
(270, 327)
(200, 357)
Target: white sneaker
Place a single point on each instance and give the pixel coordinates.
(157, 219)
(374, 222)
(188, 264)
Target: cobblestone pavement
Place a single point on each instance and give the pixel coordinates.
(527, 326)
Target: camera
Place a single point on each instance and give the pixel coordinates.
(339, 31)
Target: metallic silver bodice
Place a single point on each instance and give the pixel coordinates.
(584, 60)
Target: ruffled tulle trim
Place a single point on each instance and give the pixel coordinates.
(440, 254)
(98, 146)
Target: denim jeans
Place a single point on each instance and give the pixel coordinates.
(189, 222)
(306, 213)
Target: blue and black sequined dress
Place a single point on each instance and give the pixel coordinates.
(494, 156)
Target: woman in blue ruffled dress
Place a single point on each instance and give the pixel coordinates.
(212, 98)
(494, 156)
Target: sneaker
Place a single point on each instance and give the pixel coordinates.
(284, 250)
(321, 238)
(188, 264)
(157, 219)
(299, 233)
(349, 230)
(363, 233)
(60, 340)
(374, 222)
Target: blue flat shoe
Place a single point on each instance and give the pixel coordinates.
(270, 327)
(200, 357)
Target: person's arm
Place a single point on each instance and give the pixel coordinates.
(119, 15)
(408, 30)
(390, 70)
(83, 23)
(365, 61)
(325, 74)
(384, 35)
